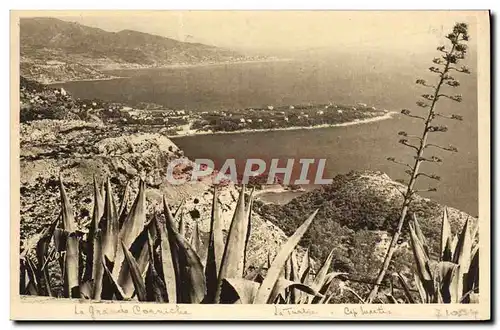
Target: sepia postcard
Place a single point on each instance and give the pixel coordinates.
(250, 165)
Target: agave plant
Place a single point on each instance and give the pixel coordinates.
(454, 278)
(123, 256)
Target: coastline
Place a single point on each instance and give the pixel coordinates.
(195, 65)
(82, 80)
(170, 66)
(388, 115)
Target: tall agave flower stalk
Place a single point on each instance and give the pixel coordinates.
(445, 66)
(127, 257)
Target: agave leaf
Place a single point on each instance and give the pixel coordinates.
(140, 251)
(33, 285)
(60, 237)
(420, 235)
(132, 227)
(327, 285)
(190, 268)
(238, 291)
(406, 287)
(233, 258)
(462, 255)
(422, 262)
(215, 249)
(295, 294)
(97, 269)
(174, 249)
(168, 271)
(446, 279)
(42, 247)
(273, 273)
(68, 218)
(135, 273)
(424, 297)
(177, 212)
(182, 225)
(195, 239)
(249, 227)
(155, 287)
(110, 288)
(284, 284)
(97, 213)
(446, 238)
(472, 281)
(109, 224)
(71, 269)
(122, 210)
(320, 278)
(305, 267)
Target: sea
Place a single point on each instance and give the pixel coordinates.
(375, 79)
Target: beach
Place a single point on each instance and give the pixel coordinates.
(187, 131)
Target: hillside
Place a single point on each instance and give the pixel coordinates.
(55, 50)
(355, 212)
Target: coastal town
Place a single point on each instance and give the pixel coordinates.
(40, 101)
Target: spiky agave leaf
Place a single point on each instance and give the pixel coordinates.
(273, 273)
(462, 254)
(135, 273)
(420, 235)
(140, 251)
(182, 225)
(168, 271)
(193, 288)
(305, 267)
(132, 227)
(249, 227)
(233, 258)
(196, 240)
(319, 279)
(155, 287)
(471, 284)
(215, 249)
(445, 253)
(71, 270)
(109, 224)
(110, 289)
(424, 296)
(283, 284)
(42, 247)
(422, 262)
(446, 278)
(327, 285)
(123, 209)
(97, 213)
(68, 219)
(97, 269)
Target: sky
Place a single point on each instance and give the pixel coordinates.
(284, 31)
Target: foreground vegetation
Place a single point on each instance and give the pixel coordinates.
(121, 256)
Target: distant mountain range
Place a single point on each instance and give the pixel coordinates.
(55, 50)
